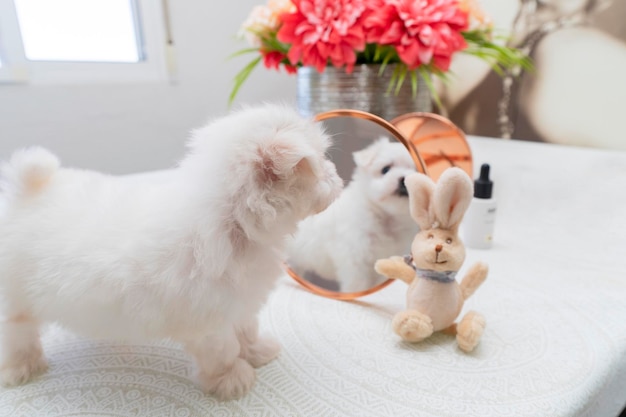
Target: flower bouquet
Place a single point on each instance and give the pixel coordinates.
(420, 36)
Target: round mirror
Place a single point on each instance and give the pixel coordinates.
(333, 253)
(439, 142)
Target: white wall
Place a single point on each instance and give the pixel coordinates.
(129, 128)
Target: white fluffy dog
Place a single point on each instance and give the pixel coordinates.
(190, 255)
(369, 221)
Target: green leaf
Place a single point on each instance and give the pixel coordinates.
(242, 52)
(401, 77)
(377, 53)
(501, 58)
(414, 82)
(241, 77)
(426, 74)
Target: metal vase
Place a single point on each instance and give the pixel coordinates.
(363, 89)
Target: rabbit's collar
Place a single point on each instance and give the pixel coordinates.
(439, 276)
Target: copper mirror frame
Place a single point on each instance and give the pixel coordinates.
(434, 144)
(439, 142)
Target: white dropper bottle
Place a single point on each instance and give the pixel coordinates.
(479, 220)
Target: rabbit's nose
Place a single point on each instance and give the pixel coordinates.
(438, 248)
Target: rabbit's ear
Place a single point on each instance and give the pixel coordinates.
(452, 196)
(420, 188)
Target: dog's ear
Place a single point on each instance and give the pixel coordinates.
(365, 156)
(277, 161)
(305, 167)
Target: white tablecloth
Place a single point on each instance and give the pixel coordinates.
(555, 343)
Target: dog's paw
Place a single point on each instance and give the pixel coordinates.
(262, 351)
(19, 371)
(232, 383)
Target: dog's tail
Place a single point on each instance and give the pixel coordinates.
(28, 171)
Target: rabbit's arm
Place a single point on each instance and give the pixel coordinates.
(473, 278)
(395, 267)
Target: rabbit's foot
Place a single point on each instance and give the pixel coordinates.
(412, 326)
(469, 331)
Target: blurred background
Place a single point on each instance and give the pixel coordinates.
(575, 95)
(122, 123)
(136, 113)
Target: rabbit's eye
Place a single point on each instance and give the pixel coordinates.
(448, 241)
(385, 169)
(430, 236)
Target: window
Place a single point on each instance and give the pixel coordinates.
(78, 41)
(10, 44)
(95, 30)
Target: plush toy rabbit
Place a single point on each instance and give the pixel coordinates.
(434, 298)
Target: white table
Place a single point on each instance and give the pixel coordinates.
(555, 343)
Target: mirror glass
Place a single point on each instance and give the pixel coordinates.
(333, 253)
(439, 142)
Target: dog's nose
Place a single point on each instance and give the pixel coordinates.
(402, 187)
(438, 248)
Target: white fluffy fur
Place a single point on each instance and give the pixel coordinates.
(188, 254)
(369, 221)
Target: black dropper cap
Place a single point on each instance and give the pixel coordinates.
(483, 185)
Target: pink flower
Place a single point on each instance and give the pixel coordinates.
(273, 59)
(320, 31)
(264, 20)
(477, 17)
(421, 31)
(414, 34)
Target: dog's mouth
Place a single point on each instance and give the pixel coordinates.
(402, 192)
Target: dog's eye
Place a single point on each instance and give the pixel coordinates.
(385, 169)
(431, 236)
(448, 241)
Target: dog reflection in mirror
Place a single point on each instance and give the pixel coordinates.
(370, 219)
